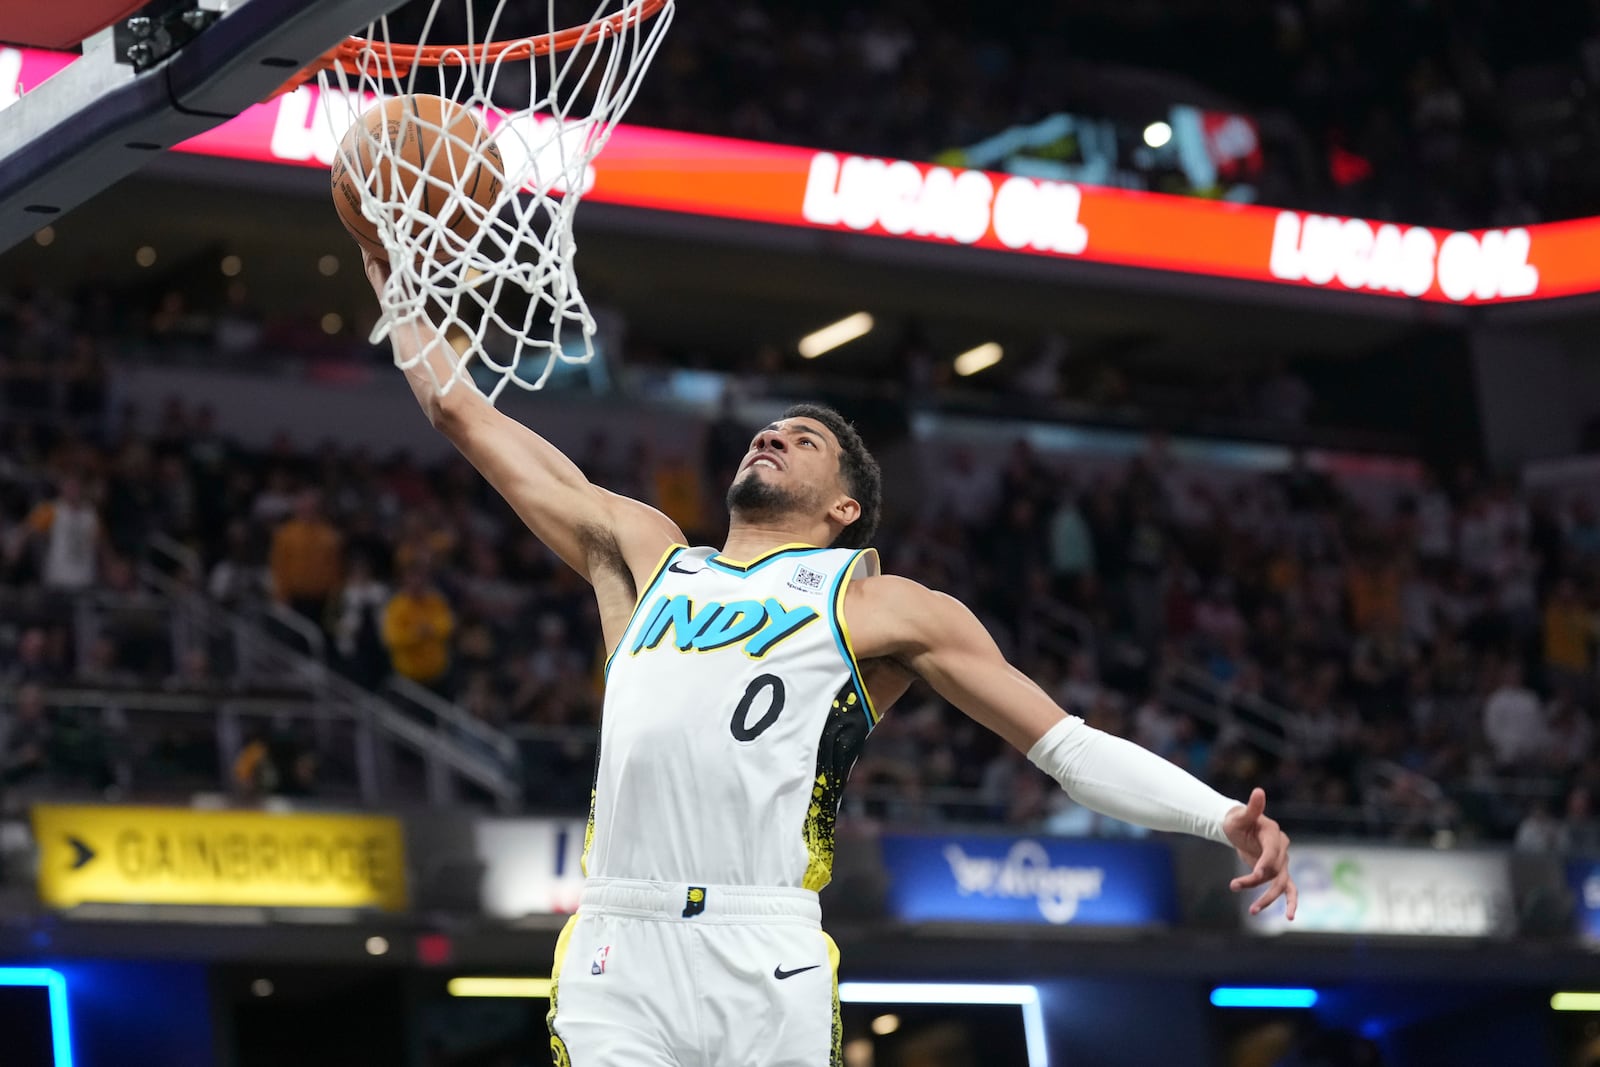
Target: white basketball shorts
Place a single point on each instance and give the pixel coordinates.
(654, 974)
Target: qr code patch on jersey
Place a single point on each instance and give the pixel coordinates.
(807, 580)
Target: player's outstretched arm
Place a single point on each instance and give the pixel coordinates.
(937, 638)
(592, 529)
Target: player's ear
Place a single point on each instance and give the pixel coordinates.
(845, 510)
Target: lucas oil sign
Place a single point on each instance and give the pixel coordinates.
(1058, 881)
(117, 855)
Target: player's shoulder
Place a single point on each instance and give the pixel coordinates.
(889, 614)
(879, 591)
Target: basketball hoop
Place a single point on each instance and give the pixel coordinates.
(347, 53)
(508, 295)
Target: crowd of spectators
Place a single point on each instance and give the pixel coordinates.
(1449, 631)
(1450, 634)
(1445, 113)
(1449, 637)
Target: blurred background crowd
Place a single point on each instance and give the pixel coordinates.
(1419, 664)
(1342, 546)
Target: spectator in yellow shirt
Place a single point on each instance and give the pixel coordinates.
(1569, 634)
(417, 624)
(1372, 587)
(307, 559)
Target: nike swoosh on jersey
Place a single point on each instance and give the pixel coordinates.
(780, 974)
(677, 568)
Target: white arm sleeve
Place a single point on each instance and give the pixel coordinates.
(1118, 778)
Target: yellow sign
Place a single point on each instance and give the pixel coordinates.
(114, 855)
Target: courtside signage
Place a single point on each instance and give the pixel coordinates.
(530, 866)
(1584, 879)
(128, 855)
(792, 186)
(1028, 880)
(1402, 892)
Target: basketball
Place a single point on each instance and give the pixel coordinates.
(411, 139)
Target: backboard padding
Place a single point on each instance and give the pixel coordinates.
(97, 121)
(61, 26)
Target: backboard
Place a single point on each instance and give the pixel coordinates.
(146, 80)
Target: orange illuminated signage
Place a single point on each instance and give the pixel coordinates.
(726, 178)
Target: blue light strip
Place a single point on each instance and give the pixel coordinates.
(1259, 997)
(56, 985)
(1024, 996)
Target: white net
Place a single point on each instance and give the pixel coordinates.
(492, 268)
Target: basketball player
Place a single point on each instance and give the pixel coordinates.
(740, 687)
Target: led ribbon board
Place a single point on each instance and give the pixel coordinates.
(894, 198)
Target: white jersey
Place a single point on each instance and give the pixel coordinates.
(69, 554)
(734, 710)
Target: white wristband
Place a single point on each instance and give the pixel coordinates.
(1118, 778)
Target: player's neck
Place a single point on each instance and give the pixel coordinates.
(747, 540)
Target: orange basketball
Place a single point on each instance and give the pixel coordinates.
(416, 138)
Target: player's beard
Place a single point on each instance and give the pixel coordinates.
(751, 498)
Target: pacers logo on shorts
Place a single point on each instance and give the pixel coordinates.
(694, 902)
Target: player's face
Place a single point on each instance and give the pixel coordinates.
(793, 451)
(792, 465)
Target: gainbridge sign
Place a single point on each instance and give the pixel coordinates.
(118, 855)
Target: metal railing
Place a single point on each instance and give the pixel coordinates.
(260, 654)
(406, 695)
(452, 717)
(1271, 727)
(1196, 693)
(1049, 626)
(148, 744)
(186, 559)
(916, 804)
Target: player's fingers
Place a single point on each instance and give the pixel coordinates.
(1292, 903)
(1272, 860)
(1250, 881)
(1274, 848)
(1263, 900)
(1256, 804)
(1279, 887)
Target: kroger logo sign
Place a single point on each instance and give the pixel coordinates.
(1058, 881)
(1026, 874)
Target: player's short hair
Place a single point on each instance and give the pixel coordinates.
(862, 479)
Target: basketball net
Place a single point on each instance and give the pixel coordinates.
(509, 302)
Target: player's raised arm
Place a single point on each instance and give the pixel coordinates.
(592, 529)
(940, 640)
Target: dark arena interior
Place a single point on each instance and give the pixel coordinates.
(1225, 362)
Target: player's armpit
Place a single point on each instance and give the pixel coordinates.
(590, 528)
(887, 680)
(937, 638)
